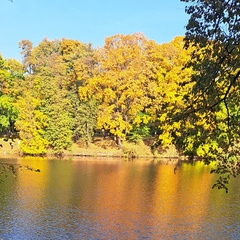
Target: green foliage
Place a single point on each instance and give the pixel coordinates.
(10, 70)
(140, 127)
(8, 113)
(85, 121)
(53, 66)
(58, 132)
(138, 132)
(55, 106)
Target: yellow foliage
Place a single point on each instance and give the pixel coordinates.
(120, 81)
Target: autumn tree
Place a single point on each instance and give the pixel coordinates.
(214, 28)
(168, 92)
(119, 83)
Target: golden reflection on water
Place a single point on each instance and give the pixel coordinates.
(184, 196)
(30, 191)
(127, 199)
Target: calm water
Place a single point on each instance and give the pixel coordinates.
(109, 199)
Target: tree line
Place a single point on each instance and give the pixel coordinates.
(65, 91)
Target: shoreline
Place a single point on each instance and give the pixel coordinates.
(129, 151)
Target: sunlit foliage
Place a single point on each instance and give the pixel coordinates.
(214, 28)
(120, 82)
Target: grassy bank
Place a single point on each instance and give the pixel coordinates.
(108, 148)
(98, 148)
(9, 147)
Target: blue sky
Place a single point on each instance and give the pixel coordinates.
(87, 21)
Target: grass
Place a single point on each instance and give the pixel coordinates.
(108, 148)
(100, 147)
(6, 149)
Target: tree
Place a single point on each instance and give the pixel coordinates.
(214, 28)
(119, 82)
(56, 69)
(168, 91)
(26, 47)
(10, 72)
(30, 124)
(78, 59)
(51, 83)
(85, 121)
(8, 114)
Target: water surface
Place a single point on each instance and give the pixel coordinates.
(112, 199)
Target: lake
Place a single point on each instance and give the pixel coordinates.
(91, 198)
